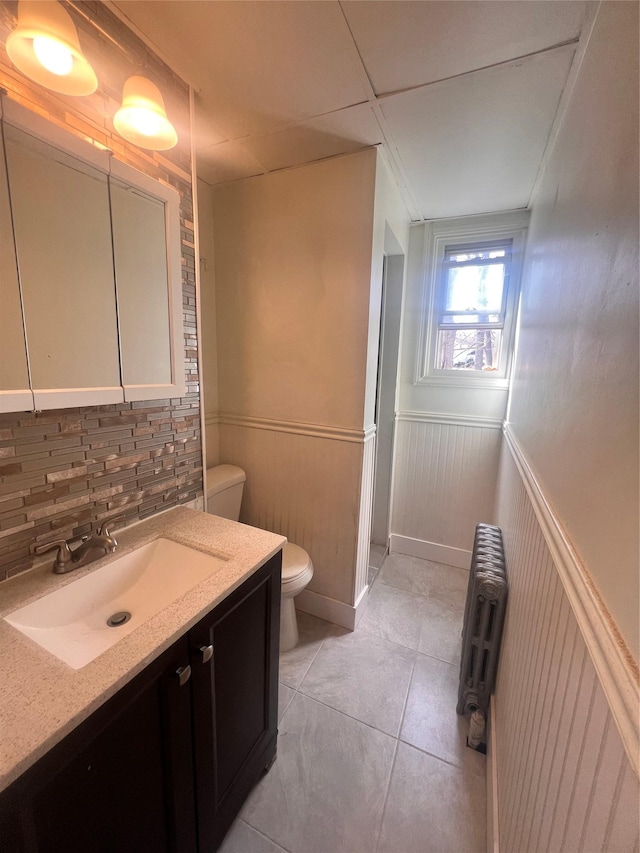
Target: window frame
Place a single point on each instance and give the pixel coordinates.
(455, 235)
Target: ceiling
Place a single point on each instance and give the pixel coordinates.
(461, 94)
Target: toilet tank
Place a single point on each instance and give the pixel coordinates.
(224, 491)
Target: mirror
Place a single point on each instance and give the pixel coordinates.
(90, 274)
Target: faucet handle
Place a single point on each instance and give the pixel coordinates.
(64, 553)
(103, 530)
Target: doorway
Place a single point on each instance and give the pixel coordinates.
(388, 354)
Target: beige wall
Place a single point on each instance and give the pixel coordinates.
(293, 268)
(574, 406)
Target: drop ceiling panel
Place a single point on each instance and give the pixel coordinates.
(404, 44)
(260, 65)
(318, 138)
(474, 144)
(228, 161)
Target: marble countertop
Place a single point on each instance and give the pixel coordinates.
(42, 699)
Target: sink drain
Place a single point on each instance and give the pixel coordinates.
(118, 619)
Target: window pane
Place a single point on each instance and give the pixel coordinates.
(480, 317)
(475, 288)
(468, 349)
(472, 255)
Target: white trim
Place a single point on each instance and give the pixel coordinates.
(197, 274)
(444, 232)
(611, 657)
(44, 130)
(357, 436)
(70, 398)
(433, 551)
(16, 401)
(151, 392)
(361, 604)
(452, 420)
(337, 612)
(493, 825)
(451, 379)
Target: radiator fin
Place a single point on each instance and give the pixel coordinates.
(483, 620)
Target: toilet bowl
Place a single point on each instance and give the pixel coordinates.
(225, 484)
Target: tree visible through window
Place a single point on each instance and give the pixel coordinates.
(473, 296)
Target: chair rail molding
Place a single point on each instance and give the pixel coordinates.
(356, 436)
(451, 420)
(617, 671)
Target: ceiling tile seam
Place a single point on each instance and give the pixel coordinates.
(360, 64)
(397, 166)
(503, 64)
(258, 161)
(287, 125)
(291, 167)
(565, 97)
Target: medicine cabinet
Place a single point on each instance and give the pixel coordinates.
(90, 273)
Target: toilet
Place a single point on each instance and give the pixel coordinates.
(225, 484)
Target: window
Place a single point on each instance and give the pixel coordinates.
(471, 317)
(470, 288)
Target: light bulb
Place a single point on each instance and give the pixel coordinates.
(145, 121)
(53, 55)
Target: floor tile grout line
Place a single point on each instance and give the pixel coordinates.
(361, 628)
(406, 698)
(440, 758)
(384, 582)
(408, 648)
(386, 794)
(263, 834)
(344, 714)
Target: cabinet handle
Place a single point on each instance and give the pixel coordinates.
(184, 674)
(207, 653)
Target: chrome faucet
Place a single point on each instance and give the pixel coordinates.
(90, 549)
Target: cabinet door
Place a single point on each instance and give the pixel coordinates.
(122, 781)
(15, 391)
(62, 228)
(235, 699)
(146, 230)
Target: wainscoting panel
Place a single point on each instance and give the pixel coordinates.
(565, 782)
(306, 487)
(444, 478)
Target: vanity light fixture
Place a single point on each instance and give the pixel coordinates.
(142, 118)
(45, 47)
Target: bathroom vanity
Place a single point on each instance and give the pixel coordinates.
(183, 718)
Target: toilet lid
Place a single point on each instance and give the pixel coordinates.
(295, 561)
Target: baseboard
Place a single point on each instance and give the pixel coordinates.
(337, 612)
(493, 837)
(429, 551)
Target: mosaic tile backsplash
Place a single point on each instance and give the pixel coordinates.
(64, 472)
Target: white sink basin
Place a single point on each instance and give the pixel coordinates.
(71, 622)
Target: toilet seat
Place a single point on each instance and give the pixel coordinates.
(297, 571)
(295, 563)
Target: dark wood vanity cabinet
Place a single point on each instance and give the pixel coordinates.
(166, 764)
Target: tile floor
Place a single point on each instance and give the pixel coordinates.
(371, 754)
